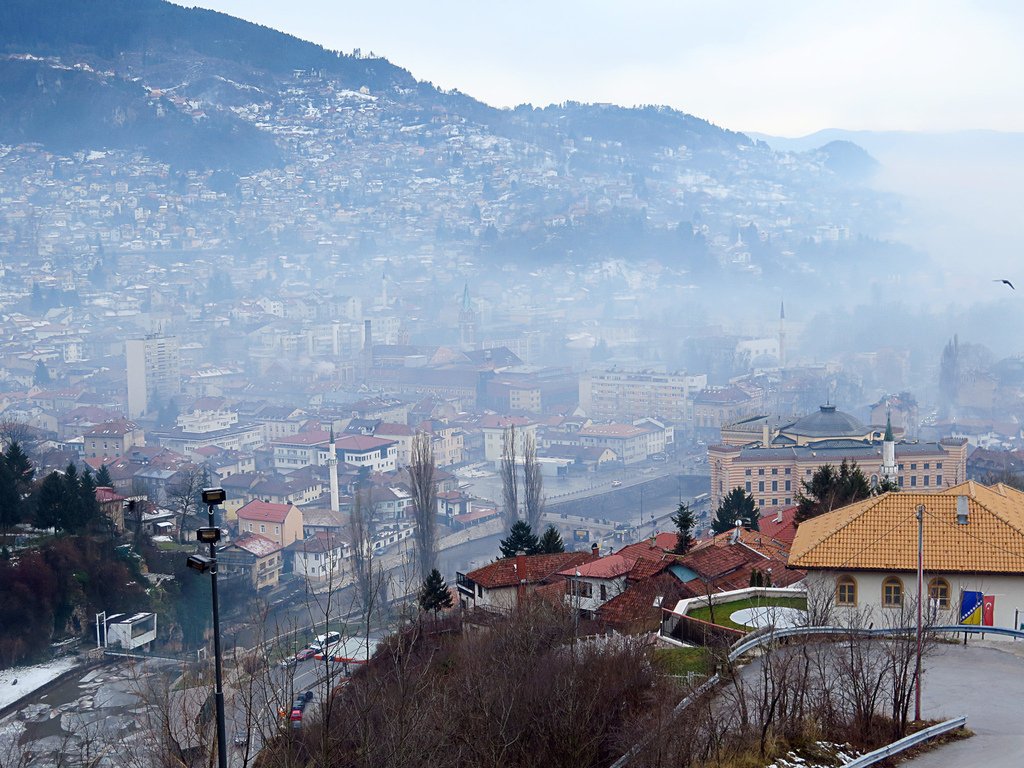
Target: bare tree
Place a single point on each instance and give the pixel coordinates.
(184, 496)
(533, 482)
(509, 478)
(424, 494)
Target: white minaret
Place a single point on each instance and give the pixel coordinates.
(332, 465)
(889, 469)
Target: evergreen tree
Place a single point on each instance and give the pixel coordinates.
(685, 522)
(434, 594)
(103, 479)
(550, 542)
(521, 538)
(41, 375)
(21, 468)
(737, 505)
(50, 503)
(89, 509)
(10, 500)
(830, 489)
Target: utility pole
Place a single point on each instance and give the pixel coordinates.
(920, 579)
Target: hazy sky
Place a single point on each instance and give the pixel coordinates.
(780, 67)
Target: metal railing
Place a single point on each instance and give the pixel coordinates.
(906, 743)
(749, 643)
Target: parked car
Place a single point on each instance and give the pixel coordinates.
(616, 483)
(298, 708)
(305, 653)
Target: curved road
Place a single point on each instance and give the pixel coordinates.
(986, 683)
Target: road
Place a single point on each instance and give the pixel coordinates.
(987, 685)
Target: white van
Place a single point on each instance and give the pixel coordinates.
(325, 641)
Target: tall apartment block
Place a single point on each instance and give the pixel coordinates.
(632, 394)
(154, 373)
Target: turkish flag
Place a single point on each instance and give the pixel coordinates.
(988, 611)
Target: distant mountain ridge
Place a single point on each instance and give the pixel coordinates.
(271, 141)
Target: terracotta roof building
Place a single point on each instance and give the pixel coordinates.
(497, 586)
(865, 554)
(281, 523)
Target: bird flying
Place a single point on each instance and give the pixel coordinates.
(1007, 282)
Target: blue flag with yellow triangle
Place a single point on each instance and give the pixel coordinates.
(970, 607)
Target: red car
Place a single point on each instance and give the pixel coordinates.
(305, 653)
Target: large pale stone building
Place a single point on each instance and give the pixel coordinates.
(777, 457)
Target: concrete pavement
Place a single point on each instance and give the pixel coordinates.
(986, 683)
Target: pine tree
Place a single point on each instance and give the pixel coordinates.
(20, 466)
(434, 594)
(89, 509)
(685, 522)
(521, 538)
(103, 479)
(830, 489)
(550, 542)
(41, 375)
(737, 505)
(49, 503)
(10, 500)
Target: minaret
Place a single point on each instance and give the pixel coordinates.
(889, 469)
(332, 467)
(467, 321)
(782, 334)
(384, 288)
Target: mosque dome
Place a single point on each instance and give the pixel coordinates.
(827, 422)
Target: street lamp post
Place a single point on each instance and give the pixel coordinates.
(211, 535)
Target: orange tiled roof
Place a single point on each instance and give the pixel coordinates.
(264, 511)
(880, 533)
(538, 568)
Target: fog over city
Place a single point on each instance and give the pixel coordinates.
(567, 370)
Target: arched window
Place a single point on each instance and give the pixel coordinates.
(892, 592)
(938, 593)
(846, 590)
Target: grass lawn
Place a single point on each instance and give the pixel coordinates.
(173, 546)
(680, 661)
(724, 610)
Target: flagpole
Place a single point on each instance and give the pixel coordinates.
(920, 580)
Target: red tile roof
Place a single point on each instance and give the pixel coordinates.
(257, 545)
(537, 568)
(662, 547)
(603, 568)
(265, 511)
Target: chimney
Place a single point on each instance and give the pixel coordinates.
(962, 510)
(595, 550)
(653, 541)
(778, 517)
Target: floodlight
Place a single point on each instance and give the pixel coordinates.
(208, 535)
(200, 563)
(214, 495)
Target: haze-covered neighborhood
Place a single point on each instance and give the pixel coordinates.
(350, 421)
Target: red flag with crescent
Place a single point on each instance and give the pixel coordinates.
(988, 611)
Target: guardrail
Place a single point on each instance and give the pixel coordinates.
(906, 743)
(754, 642)
(760, 638)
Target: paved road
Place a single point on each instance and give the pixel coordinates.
(987, 685)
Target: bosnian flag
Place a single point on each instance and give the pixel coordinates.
(970, 607)
(988, 611)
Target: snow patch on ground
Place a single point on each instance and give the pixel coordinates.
(30, 679)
